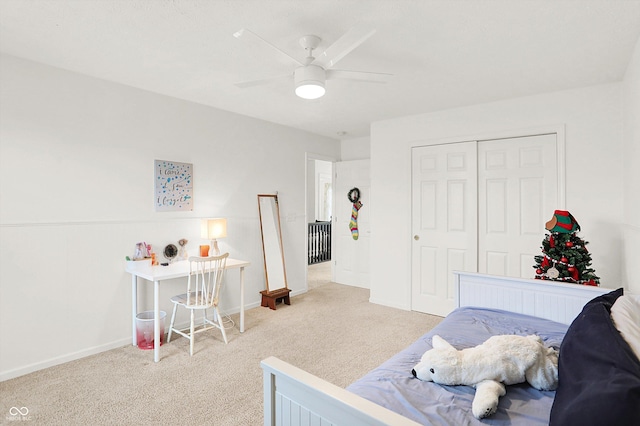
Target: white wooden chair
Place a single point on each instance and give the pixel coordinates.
(203, 290)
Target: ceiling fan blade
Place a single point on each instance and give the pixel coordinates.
(370, 77)
(250, 34)
(252, 83)
(345, 44)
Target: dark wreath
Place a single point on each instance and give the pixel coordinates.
(354, 195)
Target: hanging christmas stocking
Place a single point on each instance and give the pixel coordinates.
(353, 225)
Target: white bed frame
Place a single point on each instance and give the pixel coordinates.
(293, 397)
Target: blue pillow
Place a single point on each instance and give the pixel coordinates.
(598, 373)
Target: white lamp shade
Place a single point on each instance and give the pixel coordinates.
(212, 229)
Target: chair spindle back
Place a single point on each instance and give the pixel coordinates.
(205, 279)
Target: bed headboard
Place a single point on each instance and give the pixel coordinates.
(552, 300)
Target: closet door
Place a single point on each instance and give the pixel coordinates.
(478, 207)
(517, 194)
(444, 222)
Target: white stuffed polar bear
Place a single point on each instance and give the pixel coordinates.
(500, 360)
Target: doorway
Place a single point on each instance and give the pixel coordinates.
(319, 215)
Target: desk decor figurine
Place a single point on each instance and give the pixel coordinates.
(142, 251)
(182, 252)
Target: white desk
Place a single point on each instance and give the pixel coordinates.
(155, 274)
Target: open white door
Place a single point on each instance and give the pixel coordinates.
(351, 256)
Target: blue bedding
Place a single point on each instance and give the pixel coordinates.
(393, 386)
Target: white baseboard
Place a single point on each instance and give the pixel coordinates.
(384, 302)
(21, 371)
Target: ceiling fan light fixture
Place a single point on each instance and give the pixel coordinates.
(311, 90)
(310, 81)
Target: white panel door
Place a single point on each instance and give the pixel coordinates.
(444, 222)
(352, 256)
(517, 194)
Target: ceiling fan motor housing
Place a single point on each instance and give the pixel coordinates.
(309, 81)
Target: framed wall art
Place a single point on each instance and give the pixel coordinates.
(173, 186)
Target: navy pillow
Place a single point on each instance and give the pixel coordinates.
(598, 373)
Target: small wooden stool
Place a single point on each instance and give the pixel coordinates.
(271, 298)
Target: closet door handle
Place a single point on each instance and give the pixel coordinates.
(416, 237)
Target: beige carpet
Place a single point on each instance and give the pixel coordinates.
(331, 331)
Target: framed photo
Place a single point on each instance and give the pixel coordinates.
(173, 186)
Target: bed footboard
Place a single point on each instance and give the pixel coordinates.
(294, 397)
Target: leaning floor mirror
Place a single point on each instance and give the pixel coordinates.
(272, 249)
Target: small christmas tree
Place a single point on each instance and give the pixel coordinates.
(564, 254)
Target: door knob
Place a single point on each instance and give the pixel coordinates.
(416, 237)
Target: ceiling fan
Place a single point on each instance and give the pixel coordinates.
(311, 75)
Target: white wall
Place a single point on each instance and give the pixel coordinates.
(592, 119)
(355, 149)
(315, 170)
(76, 164)
(311, 190)
(323, 171)
(631, 225)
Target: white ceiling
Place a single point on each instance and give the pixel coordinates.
(443, 53)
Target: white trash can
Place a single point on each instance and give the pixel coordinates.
(144, 329)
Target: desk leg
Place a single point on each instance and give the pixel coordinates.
(242, 300)
(156, 321)
(134, 309)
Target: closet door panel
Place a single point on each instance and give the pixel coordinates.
(444, 222)
(517, 190)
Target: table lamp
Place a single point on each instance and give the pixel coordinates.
(212, 229)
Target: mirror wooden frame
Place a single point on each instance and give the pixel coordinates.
(273, 252)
